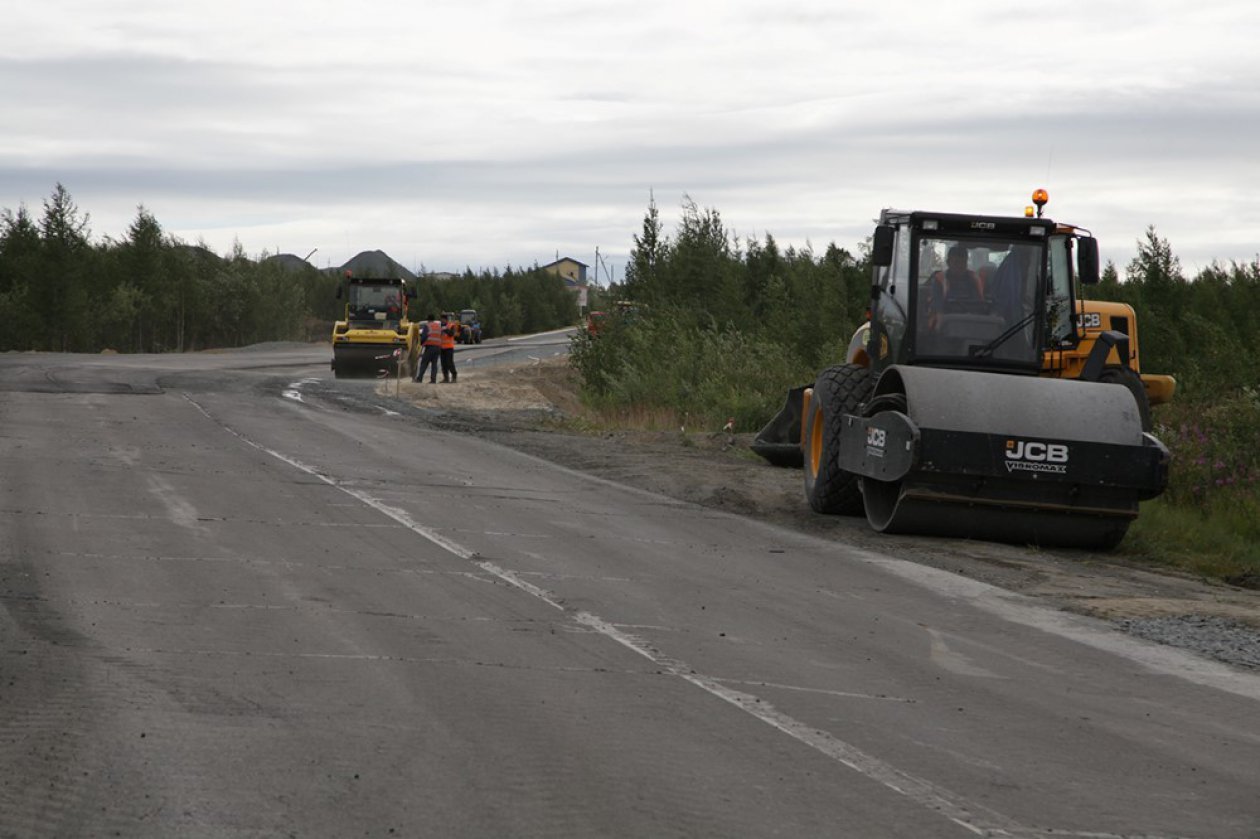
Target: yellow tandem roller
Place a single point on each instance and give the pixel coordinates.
(375, 339)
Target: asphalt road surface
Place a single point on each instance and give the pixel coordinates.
(516, 350)
(243, 599)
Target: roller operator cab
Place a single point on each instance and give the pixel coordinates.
(974, 403)
(375, 338)
(965, 292)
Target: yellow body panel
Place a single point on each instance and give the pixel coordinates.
(1093, 317)
(1159, 389)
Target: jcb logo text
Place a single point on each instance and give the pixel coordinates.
(1037, 452)
(1035, 456)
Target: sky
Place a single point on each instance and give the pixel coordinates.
(488, 133)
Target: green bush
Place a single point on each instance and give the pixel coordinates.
(1208, 520)
(663, 360)
(1216, 462)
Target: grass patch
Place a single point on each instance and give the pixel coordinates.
(607, 418)
(1216, 544)
(1208, 520)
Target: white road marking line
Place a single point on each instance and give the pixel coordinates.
(294, 390)
(918, 790)
(458, 662)
(394, 513)
(841, 693)
(294, 607)
(976, 818)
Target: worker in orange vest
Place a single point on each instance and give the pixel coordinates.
(431, 340)
(448, 349)
(956, 288)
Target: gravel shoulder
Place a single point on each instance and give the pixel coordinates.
(534, 408)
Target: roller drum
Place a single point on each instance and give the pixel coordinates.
(1002, 458)
(371, 361)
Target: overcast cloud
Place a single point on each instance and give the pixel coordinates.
(484, 133)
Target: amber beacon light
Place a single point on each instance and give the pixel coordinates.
(1039, 197)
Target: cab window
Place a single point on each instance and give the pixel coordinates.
(1059, 327)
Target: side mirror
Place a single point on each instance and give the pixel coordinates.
(1087, 260)
(882, 246)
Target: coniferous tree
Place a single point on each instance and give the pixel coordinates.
(1159, 291)
(643, 280)
(20, 270)
(64, 300)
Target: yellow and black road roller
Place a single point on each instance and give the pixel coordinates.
(376, 339)
(979, 401)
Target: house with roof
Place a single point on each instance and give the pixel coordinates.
(568, 268)
(573, 273)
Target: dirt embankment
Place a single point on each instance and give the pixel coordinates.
(532, 407)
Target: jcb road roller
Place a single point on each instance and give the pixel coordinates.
(948, 420)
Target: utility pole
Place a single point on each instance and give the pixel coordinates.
(599, 260)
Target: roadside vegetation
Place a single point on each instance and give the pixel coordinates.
(61, 291)
(715, 329)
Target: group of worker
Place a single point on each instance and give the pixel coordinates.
(438, 336)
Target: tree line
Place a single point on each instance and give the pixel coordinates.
(509, 302)
(1204, 330)
(707, 302)
(148, 291)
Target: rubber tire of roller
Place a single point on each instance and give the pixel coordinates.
(1125, 377)
(838, 391)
